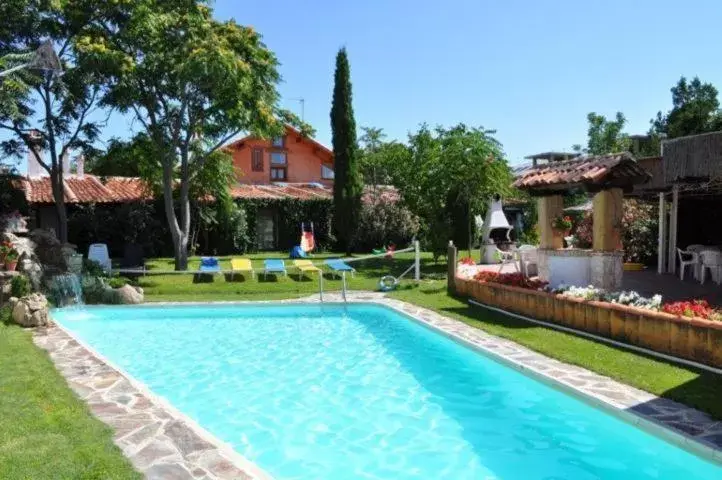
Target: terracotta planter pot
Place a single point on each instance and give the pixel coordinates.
(633, 267)
(11, 266)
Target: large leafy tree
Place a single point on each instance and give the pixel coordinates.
(604, 135)
(446, 175)
(39, 109)
(348, 185)
(193, 83)
(374, 154)
(695, 109)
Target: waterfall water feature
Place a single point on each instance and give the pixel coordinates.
(67, 290)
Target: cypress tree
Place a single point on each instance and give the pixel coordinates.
(348, 185)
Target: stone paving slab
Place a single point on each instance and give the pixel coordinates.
(164, 444)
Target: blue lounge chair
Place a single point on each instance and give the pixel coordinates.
(209, 265)
(337, 265)
(273, 265)
(207, 269)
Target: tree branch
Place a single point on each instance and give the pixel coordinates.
(81, 121)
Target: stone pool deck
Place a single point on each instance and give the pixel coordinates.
(162, 443)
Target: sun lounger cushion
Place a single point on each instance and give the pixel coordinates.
(339, 265)
(274, 265)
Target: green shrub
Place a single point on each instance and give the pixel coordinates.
(91, 268)
(118, 282)
(384, 222)
(20, 286)
(94, 289)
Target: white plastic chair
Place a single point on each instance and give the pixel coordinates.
(712, 260)
(686, 257)
(98, 252)
(527, 259)
(507, 257)
(696, 248)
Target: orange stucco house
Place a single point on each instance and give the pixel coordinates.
(291, 158)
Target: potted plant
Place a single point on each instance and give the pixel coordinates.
(11, 260)
(563, 224)
(5, 248)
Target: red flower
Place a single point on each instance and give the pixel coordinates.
(513, 279)
(693, 308)
(467, 261)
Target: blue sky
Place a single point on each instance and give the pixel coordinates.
(532, 70)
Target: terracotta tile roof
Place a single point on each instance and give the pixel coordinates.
(301, 191)
(619, 169)
(85, 189)
(93, 189)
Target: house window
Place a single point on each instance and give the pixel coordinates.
(278, 158)
(278, 173)
(257, 160)
(278, 142)
(326, 172)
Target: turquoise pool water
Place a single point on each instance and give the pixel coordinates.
(334, 392)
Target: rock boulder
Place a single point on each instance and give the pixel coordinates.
(31, 311)
(128, 295)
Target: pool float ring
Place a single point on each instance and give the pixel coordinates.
(388, 282)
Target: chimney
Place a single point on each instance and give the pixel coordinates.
(80, 165)
(34, 168)
(65, 159)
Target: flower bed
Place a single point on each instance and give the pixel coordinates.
(512, 279)
(694, 308)
(623, 316)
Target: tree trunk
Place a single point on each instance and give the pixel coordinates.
(180, 242)
(56, 181)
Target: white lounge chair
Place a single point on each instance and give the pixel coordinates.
(98, 252)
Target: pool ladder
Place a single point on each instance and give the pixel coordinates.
(343, 287)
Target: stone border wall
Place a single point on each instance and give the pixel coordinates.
(691, 338)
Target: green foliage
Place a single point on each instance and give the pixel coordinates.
(373, 156)
(57, 107)
(193, 83)
(695, 109)
(290, 213)
(377, 163)
(118, 282)
(124, 158)
(91, 268)
(640, 223)
(11, 198)
(348, 186)
(605, 136)
(530, 234)
(384, 222)
(118, 225)
(443, 169)
(20, 286)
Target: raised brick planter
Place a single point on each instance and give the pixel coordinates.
(692, 338)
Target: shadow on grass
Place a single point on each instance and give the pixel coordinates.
(236, 277)
(300, 277)
(268, 278)
(203, 277)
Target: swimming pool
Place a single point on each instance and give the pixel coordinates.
(361, 391)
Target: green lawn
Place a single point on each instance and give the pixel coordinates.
(45, 430)
(183, 287)
(700, 390)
